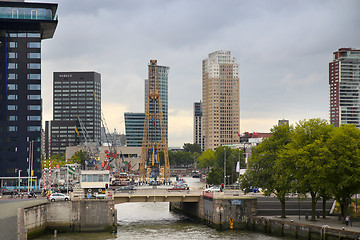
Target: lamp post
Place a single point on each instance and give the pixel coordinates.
(224, 167)
(19, 179)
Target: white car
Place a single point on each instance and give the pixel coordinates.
(58, 197)
(213, 189)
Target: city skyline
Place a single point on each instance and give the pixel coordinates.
(283, 49)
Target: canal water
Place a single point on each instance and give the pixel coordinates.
(155, 221)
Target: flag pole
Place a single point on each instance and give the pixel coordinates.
(67, 180)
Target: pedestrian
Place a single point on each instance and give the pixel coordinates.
(347, 220)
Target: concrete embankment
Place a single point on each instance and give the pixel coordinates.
(224, 212)
(70, 216)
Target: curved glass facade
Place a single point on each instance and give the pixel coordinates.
(26, 13)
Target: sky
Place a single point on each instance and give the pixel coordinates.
(283, 49)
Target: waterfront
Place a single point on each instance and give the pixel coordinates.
(155, 221)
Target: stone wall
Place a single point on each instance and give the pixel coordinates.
(75, 216)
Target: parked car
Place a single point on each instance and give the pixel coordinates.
(58, 197)
(213, 189)
(178, 188)
(126, 188)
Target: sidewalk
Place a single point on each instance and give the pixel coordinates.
(8, 216)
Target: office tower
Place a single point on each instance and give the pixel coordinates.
(22, 28)
(77, 96)
(344, 81)
(134, 129)
(197, 134)
(283, 122)
(163, 73)
(220, 93)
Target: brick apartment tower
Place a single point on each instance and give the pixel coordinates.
(220, 94)
(344, 81)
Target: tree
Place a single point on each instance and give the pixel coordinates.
(79, 157)
(343, 170)
(270, 168)
(193, 148)
(207, 159)
(309, 150)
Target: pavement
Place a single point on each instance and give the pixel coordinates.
(8, 214)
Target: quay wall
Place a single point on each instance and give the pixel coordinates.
(241, 214)
(71, 216)
(294, 230)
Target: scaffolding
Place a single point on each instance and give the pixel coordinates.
(153, 144)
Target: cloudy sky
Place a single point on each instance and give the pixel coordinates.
(283, 49)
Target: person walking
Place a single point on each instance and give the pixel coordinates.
(347, 220)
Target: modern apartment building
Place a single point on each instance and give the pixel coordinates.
(76, 96)
(220, 95)
(22, 28)
(197, 134)
(163, 72)
(344, 81)
(134, 129)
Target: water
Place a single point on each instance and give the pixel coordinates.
(155, 221)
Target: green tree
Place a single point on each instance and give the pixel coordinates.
(343, 170)
(189, 147)
(207, 159)
(309, 150)
(270, 168)
(79, 157)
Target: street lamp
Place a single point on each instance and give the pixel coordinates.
(19, 179)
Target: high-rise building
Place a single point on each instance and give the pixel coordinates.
(77, 95)
(197, 134)
(22, 28)
(220, 94)
(344, 81)
(163, 73)
(134, 129)
(283, 122)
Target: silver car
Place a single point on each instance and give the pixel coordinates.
(58, 197)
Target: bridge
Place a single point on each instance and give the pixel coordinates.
(157, 195)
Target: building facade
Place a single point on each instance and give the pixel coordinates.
(134, 129)
(163, 73)
(22, 28)
(76, 110)
(344, 81)
(197, 134)
(220, 95)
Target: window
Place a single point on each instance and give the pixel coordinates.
(34, 87)
(34, 107)
(13, 118)
(13, 76)
(12, 107)
(34, 55)
(34, 76)
(12, 66)
(12, 86)
(33, 45)
(34, 128)
(12, 128)
(13, 55)
(13, 44)
(34, 118)
(33, 65)
(34, 35)
(12, 97)
(33, 97)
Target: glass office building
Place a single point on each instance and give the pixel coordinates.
(22, 28)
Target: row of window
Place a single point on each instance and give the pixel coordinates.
(28, 118)
(34, 87)
(29, 97)
(29, 44)
(29, 107)
(29, 66)
(29, 128)
(32, 76)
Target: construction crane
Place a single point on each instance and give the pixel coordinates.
(150, 163)
(110, 154)
(92, 153)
